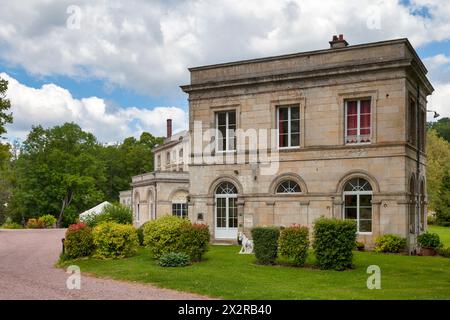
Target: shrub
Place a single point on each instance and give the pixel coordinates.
(294, 243)
(431, 220)
(194, 240)
(429, 240)
(48, 221)
(163, 235)
(360, 246)
(112, 212)
(265, 244)
(140, 234)
(174, 259)
(114, 240)
(34, 224)
(334, 241)
(390, 243)
(445, 252)
(9, 224)
(78, 241)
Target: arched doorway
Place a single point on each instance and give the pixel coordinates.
(226, 211)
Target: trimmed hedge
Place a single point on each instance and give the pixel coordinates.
(334, 241)
(390, 243)
(78, 241)
(35, 224)
(429, 240)
(195, 240)
(114, 240)
(174, 259)
(265, 244)
(294, 243)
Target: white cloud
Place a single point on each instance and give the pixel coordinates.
(147, 45)
(52, 105)
(439, 101)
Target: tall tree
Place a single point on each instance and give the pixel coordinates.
(58, 172)
(438, 160)
(5, 118)
(442, 127)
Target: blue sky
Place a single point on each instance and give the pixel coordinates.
(115, 67)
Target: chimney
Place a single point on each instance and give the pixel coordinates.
(338, 42)
(169, 128)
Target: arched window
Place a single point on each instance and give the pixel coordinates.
(226, 188)
(226, 211)
(288, 186)
(358, 203)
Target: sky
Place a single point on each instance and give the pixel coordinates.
(115, 67)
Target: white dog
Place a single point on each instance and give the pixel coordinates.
(247, 244)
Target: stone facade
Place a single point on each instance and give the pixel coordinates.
(389, 74)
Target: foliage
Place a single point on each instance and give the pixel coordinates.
(140, 234)
(294, 243)
(444, 252)
(265, 244)
(443, 203)
(174, 259)
(163, 235)
(438, 171)
(47, 220)
(5, 105)
(114, 240)
(431, 220)
(390, 243)
(194, 240)
(9, 224)
(78, 241)
(429, 240)
(113, 212)
(333, 243)
(442, 128)
(34, 224)
(360, 245)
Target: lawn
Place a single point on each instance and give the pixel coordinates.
(226, 274)
(443, 232)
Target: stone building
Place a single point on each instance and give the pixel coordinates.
(349, 126)
(165, 190)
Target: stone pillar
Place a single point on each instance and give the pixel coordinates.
(241, 215)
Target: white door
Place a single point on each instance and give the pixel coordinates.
(226, 215)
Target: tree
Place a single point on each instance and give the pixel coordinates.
(58, 172)
(5, 118)
(442, 127)
(438, 156)
(130, 158)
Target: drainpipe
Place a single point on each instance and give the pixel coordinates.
(418, 140)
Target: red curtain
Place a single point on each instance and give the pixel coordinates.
(364, 120)
(352, 118)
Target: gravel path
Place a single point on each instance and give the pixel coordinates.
(27, 271)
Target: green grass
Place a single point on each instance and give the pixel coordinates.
(443, 232)
(226, 274)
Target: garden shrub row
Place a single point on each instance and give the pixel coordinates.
(107, 240)
(333, 243)
(171, 234)
(390, 243)
(45, 221)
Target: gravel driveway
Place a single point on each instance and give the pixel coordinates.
(27, 271)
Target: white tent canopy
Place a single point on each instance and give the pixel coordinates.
(94, 211)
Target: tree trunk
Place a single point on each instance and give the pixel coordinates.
(65, 203)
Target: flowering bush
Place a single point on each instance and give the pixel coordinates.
(78, 241)
(294, 243)
(390, 243)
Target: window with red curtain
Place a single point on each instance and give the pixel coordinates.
(358, 127)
